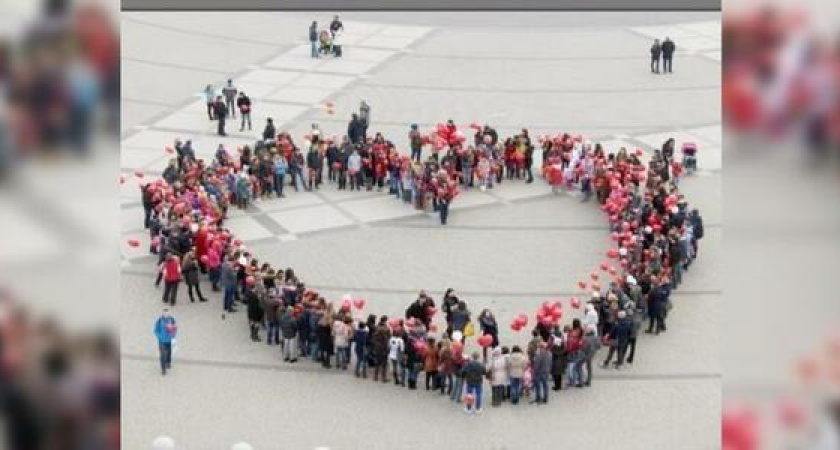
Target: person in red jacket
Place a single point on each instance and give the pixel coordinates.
(201, 247)
(171, 269)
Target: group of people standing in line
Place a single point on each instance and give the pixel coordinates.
(655, 231)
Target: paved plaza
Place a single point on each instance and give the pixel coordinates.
(508, 249)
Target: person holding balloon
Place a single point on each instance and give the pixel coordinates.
(473, 378)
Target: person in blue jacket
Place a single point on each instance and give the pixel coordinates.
(165, 330)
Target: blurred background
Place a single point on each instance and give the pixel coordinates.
(59, 122)
(781, 97)
(59, 260)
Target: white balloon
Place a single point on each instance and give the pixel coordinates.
(163, 443)
(241, 446)
(457, 335)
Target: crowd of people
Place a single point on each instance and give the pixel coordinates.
(655, 231)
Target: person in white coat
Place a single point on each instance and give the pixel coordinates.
(497, 368)
(591, 317)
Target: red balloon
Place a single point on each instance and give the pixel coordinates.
(612, 253)
(469, 399)
(485, 341)
(250, 281)
(138, 173)
(359, 303)
(237, 243)
(605, 266)
(582, 285)
(205, 259)
(420, 347)
(516, 326)
(594, 275)
(457, 347)
(575, 302)
(133, 243)
(345, 305)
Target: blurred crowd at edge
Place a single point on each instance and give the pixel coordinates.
(781, 114)
(59, 95)
(59, 82)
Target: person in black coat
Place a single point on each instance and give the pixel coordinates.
(668, 49)
(655, 56)
(189, 269)
(255, 312)
(657, 303)
(619, 338)
(269, 133)
(220, 110)
(355, 130)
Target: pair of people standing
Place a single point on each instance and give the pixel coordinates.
(664, 51)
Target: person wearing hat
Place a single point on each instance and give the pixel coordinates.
(416, 141)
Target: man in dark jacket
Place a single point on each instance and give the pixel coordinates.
(668, 49)
(655, 56)
(354, 130)
(619, 338)
(657, 304)
(313, 38)
(289, 328)
(381, 336)
(417, 310)
(269, 133)
(220, 110)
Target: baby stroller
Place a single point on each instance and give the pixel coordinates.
(329, 44)
(689, 151)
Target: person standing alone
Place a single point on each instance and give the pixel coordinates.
(668, 49)
(655, 55)
(165, 330)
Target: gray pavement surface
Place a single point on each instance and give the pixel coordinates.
(508, 249)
